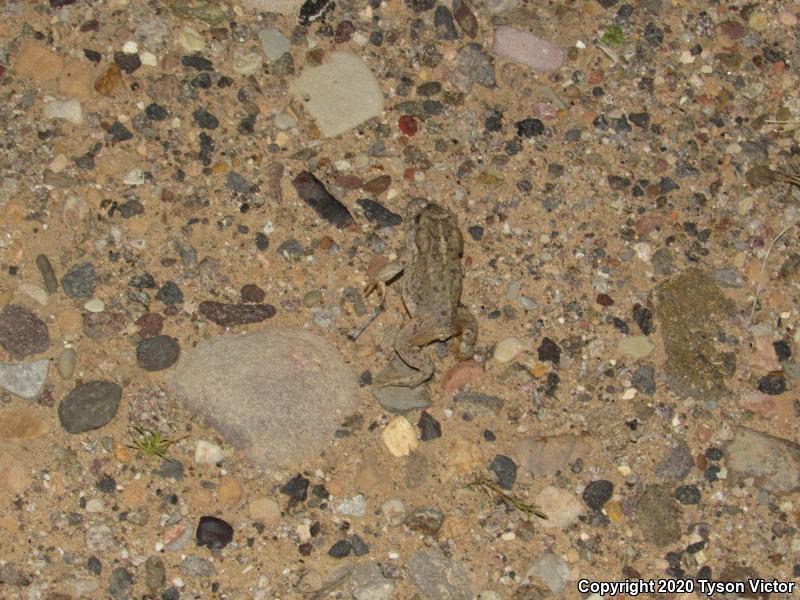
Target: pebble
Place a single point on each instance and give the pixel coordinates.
(312, 191)
(157, 353)
(296, 488)
(399, 437)
(773, 462)
(213, 532)
(597, 493)
(25, 380)
(561, 507)
(425, 520)
(22, 332)
(69, 110)
(526, 48)
(437, 577)
(79, 281)
(393, 512)
(307, 389)
(509, 348)
(227, 315)
(550, 569)
(194, 566)
(546, 456)
(506, 471)
(658, 516)
(207, 453)
(273, 43)
(429, 428)
(36, 62)
(155, 574)
(247, 62)
(352, 507)
(480, 401)
(109, 81)
(378, 214)
(340, 94)
(677, 463)
(688, 494)
(465, 17)
(95, 305)
(265, 509)
(636, 346)
(89, 406)
(473, 66)
(48, 274)
(643, 379)
(340, 549)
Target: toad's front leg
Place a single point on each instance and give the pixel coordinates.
(379, 279)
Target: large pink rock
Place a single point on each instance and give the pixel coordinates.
(524, 47)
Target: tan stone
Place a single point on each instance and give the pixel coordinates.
(134, 494)
(20, 424)
(14, 477)
(37, 62)
(266, 510)
(400, 437)
(229, 490)
(371, 477)
(75, 80)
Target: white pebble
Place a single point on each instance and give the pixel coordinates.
(130, 47)
(207, 453)
(95, 305)
(400, 437)
(508, 349)
(95, 505)
(134, 177)
(69, 110)
(148, 59)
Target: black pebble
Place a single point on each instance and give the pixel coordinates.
(643, 317)
(429, 427)
(120, 133)
(782, 350)
(205, 120)
(506, 471)
(489, 435)
(772, 384)
(597, 493)
(214, 533)
(360, 547)
(156, 112)
(340, 549)
(127, 62)
(296, 488)
(92, 55)
(475, 232)
(688, 494)
(197, 62)
(529, 127)
(170, 293)
(94, 565)
(549, 351)
(106, 484)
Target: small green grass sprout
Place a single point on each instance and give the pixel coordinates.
(613, 35)
(494, 491)
(151, 442)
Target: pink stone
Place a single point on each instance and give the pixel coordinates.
(523, 47)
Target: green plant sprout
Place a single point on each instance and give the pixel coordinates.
(494, 491)
(150, 442)
(613, 35)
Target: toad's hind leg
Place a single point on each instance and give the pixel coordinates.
(408, 344)
(467, 325)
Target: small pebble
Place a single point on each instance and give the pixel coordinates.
(213, 532)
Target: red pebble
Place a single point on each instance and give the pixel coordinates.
(409, 174)
(408, 125)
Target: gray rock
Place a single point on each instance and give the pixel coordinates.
(194, 566)
(25, 380)
(552, 570)
(473, 65)
(120, 583)
(274, 43)
(773, 462)
(155, 574)
(279, 395)
(543, 456)
(79, 281)
(438, 577)
(66, 363)
(396, 398)
(89, 406)
(369, 583)
(339, 94)
(480, 401)
(677, 463)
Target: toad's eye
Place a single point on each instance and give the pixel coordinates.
(422, 240)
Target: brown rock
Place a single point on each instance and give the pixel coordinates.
(37, 62)
(109, 80)
(378, 185)
(20, 424)
(459, 375)
(75, 80)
